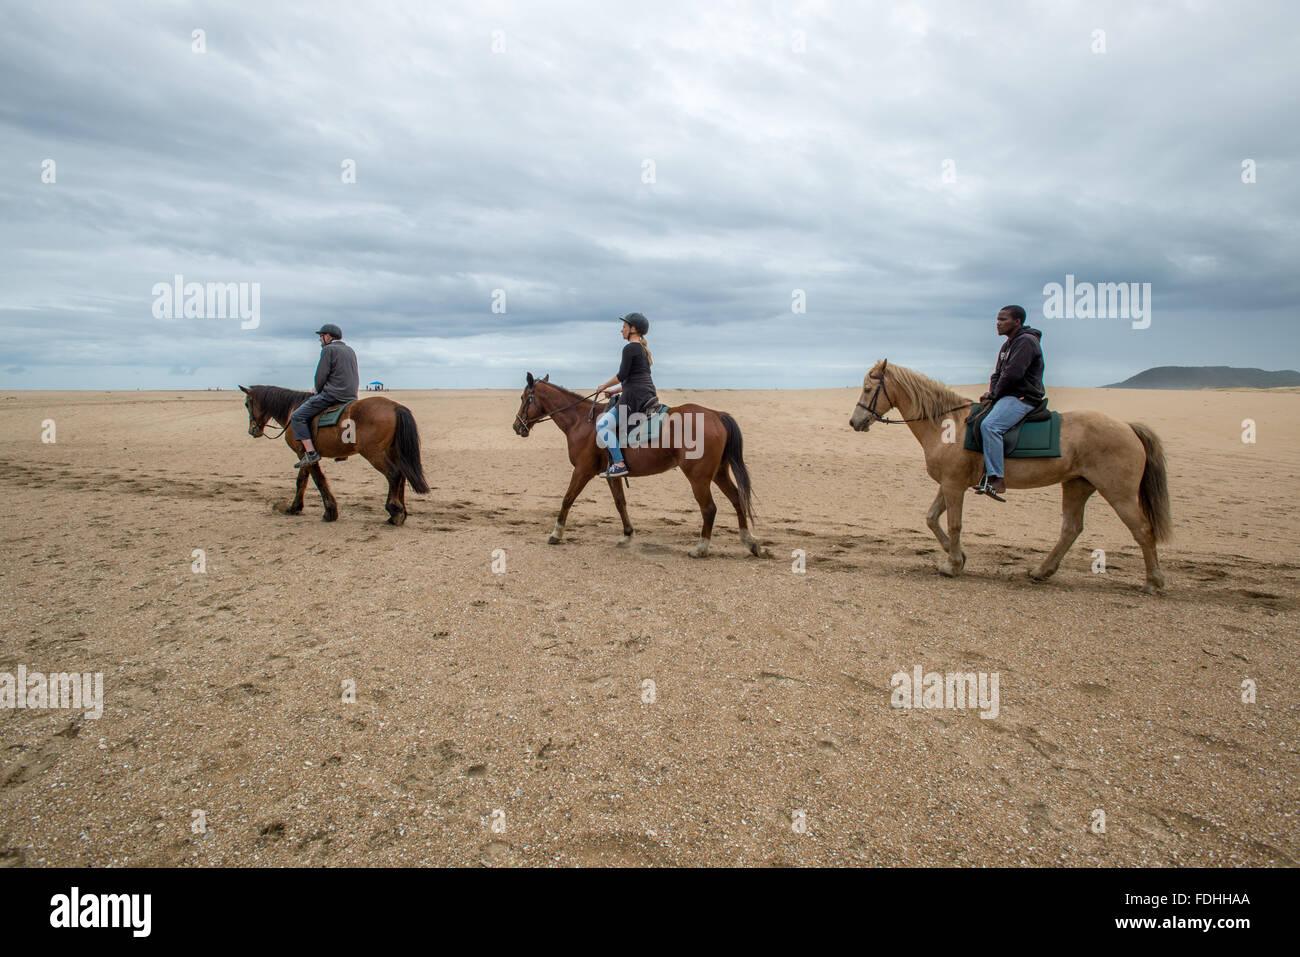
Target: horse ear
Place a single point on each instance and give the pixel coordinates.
(245, 391)
(547, 377)
(530, 378)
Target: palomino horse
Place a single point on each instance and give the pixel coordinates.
(718, 443)
(1125, 462)
(376, 428)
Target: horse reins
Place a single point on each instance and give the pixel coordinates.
(263, 434)
(528, 400)
(881, 390)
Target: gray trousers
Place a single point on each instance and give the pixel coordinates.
(302, 416)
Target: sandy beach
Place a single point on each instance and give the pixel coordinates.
(600, 705)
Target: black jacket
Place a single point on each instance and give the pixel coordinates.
(336, 373)
(1019, 370)
(634, 375)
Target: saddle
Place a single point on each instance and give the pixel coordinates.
(647, 432)
(332, 415)
(652, 408)
(1036, 436)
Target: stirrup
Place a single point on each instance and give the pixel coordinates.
(983, 489)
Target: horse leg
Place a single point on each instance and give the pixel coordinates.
(327, 497)
(708, 510)
(1129, 509)
(620, 501)
(581, 476)
(295, 507)
(395, 504)
(937, 508)
(953, 496)
(1074, 496)
(722, 478)
(398, 494)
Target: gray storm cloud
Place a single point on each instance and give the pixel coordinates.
(506, 147)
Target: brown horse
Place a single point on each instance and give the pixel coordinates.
(376, 428)
(717, 441)
(1125, 462)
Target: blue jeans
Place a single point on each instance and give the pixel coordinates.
(302, 416)
(1006, 412)
(607, 433)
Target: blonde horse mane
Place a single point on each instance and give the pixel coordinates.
(931, 399)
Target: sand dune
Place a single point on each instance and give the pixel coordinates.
(501, 718)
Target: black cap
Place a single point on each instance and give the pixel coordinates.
(329, 329)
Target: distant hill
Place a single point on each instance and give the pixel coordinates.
(1208, 377)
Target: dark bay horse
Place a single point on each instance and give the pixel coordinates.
(1122, 460)
(376, 428)
(703, 452)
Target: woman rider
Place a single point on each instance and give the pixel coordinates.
(632, 386)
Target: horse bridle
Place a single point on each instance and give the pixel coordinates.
(521, 420)
(882, 390)
(261, 429)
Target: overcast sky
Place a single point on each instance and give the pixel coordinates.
(795, 146)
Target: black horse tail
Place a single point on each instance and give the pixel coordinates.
(733, 455)
(1153, 494)
(406, 450)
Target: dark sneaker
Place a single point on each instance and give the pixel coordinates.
(617, 470)
(308, 460)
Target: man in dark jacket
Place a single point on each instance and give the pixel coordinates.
(337, 380)
(1014, 390)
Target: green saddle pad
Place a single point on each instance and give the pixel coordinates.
(1028, 440)
(647, 432)
(331, 416)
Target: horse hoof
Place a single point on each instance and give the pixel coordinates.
(553, 540)
(623, 542)
(330, 517)
(699, 551)
(947, 571)
(1151, 588)
(1038, 575)
(758, 551)
(283, 509)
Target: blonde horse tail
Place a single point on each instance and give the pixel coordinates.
(1154, 491)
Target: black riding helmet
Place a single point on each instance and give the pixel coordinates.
(638, 322)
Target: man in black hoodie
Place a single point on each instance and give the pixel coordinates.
(1014, 390)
